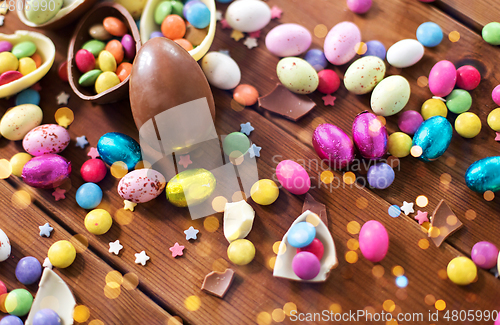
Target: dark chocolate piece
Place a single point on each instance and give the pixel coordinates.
(443, 223)
(217, 283)
(314, 206)
(285, 103)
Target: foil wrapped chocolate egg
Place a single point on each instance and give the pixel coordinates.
(433, 137)
(190, 187)
(334, 145)
(370, 135)
(46, 171)
(114, 147)
(484, 175)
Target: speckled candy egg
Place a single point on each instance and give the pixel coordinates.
(433, 137)
(47, 138)
(288, 40)
(297, 75)
(442, 78)
(334, 145)
(116, 146)
(373, 241)
(5, 248)
(46, 171)
(369, 135)
(405, 53)
(221, 70)
(248, 16)
(340, 43)
(364, 74)
(293, 177)
(19, 120)
(390, 96)
(484, 175)
(141, 185)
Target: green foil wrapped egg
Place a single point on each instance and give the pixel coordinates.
(484, 175)
(190, 187)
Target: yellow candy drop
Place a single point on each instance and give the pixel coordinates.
(8, 62)
(62, 254)
(27, 66)
(399, 144)
(107, 61)
(241, 251)
(105, 81)
(468, 125)
(494, 119)
(433, 107)
(98, 221)
(18, 161)
(461, 270)
(264, 192)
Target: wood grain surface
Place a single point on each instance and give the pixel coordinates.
(169, 286)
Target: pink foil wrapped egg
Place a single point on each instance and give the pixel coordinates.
(142, 185)
(293, 177)
(373, 241)
(47, 138)
(370, 135)
(332, 144)
(46, 171)
(442, 78)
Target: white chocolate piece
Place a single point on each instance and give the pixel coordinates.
(55, 294)
(283, 265)
(238, 220)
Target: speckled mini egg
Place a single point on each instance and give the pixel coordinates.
(390, 96)
(46, 171)
(221, 70)
(248, 16)
(47, 138)
(340, 43)
(141, 185)
(114, 147)
(297, 75)
(5, 248)
(19, 120)
(433, 137)
(364, 74)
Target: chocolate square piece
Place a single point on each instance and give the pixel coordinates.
(285, 103)
(443, 223)
(315, 207)
(217, 283)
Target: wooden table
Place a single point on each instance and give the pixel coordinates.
(169, 289)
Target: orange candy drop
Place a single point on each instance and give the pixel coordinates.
(246, 95)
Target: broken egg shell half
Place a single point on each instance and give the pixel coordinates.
(71, 10)
(238, 220)
(46, 49)
(286, 253)
(148, 25)
(81, 35)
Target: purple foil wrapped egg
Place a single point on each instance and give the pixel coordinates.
(46, 171)
(334, 145)
(370, 135)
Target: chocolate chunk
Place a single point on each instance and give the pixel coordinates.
(314, 206)
(285, 103)
(443, 223)
(217, 283)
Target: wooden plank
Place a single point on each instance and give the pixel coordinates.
(86, 277)
(474, 14)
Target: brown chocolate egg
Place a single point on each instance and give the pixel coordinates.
(170, 96)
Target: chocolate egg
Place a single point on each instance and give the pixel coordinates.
(484, 175)
(331, 143)
(370, 135)
(168, 89)
(114, 147)
(46, 171)
(433, 137)
(190, 187)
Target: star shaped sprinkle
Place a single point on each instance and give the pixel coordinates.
(276, 12)
(218, 15)
(141, 258)
(224, 24)
(81, 141)
(255, 34)
(45, 230)
(237, 35)
(36, 87)
(185, 161)
(176, 250)
(329, 100)
(62, 98)
(421, 217)
(64, 121)
(115, 247)
(47, 264)
(59, 194)
(191, 233)
(497, 138)
(246, 128)
(250, 42)
(93, 153)
(226, 52)
(2, 18)
(407, 208)
(129, 205)
(254, 151)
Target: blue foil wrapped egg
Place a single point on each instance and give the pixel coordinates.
(114, 147)
(433, 137)
(484, 175)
